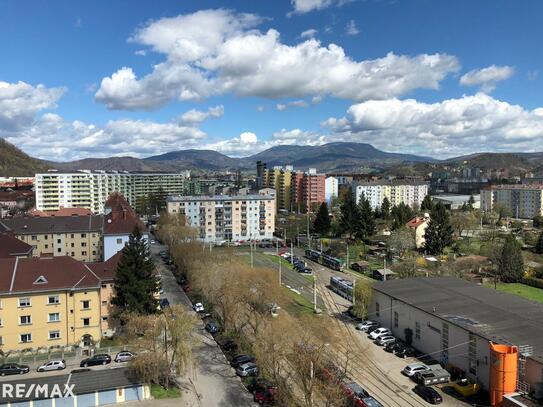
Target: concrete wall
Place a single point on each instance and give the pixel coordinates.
(115, 243)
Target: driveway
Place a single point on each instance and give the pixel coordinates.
(212, 380)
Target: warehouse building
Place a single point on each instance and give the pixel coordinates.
(458, 323)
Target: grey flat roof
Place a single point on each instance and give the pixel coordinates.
(198, 198)
(84, 382)
(494, 315)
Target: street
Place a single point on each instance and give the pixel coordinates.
(212, 383)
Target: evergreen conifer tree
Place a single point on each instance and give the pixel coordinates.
(439, 232)
(322, 223)
(511, 264)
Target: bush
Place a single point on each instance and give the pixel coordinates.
(533, 281)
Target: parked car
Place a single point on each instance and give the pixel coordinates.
(13, 368)
(371, 402)
(153, 242)
(413, 368)
(260, 384)
(198, 307)
(384, 340)
(247, 369)
(354, 391)
(466, 388)
(434, 375)
(392, 346)
(428, 394)
(372, 328)
(52, 365)
(241, 359)
(98, 359)
(186, 288)
(404, 352)
(229, 345)
(164, 303)
(265, 397)
(212, 328)
(379, 332)
(365, 325)
(124, 356)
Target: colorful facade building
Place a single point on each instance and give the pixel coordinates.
(224, 218)
(523, 200)
(411, 193)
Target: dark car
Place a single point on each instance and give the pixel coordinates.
(404, 352)
(212, 328)
(229, 345)
(428, 394)
(13, 368)
(265, 397)
(241, 359)
(98, 359)
(164, 303)
(259, 384)
(181, 280)
(393, 346)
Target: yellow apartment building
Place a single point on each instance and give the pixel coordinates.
(280, 179)
(48, 302)
(79, 237)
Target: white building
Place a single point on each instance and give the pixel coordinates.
(411, 193)
(227, 218)
(90, 189)
(455, 321)
(330, 188)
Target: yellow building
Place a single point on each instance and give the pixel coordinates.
(79, 237)
(48, 302)
(280, 179)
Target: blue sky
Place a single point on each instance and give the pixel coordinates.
(81, 79)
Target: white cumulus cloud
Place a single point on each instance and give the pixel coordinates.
(195, 117)
(487, 77)
(308, 33)
(215, 52)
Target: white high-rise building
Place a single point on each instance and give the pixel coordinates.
(90, 189)
(330, 188)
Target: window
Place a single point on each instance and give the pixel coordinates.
(104, 318)
(104, 302)
(24, 302)
(1, 340)
(25, 320)
(59, 241)
(45, 237)
(53, 299)
(72, 244)
(119, 240)
(72, 235)
(83, 235)
(83, 253)
(59, 250)
(25, 338)
(40, 280)
(377, 309)
(34, 238)
(46, 246)
(83, 244)
(54, 317)
(85, 304)
(54, 335)
(417, 330)
(395, 319)
(86, 321)
(94, 252)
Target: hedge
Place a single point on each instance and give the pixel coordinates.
(534, 282)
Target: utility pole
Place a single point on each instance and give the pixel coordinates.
(251, 249)
(314, 294)
(298, 234)
(385, 273)
(354, 292)
(347, 255)
(308, 236)
(279, 257)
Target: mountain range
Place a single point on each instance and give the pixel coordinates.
(331, 157)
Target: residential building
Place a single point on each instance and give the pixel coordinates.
(409, 192)
(193, 187)
(48, 302)
(419, 224)
(227, 218)
(79, 237)
(468, 327)
(260, 167)
(11, 247)
(280, 179)
(120, 221)
(90, 189)
(308, 190)
(331, 187)
(523, 200)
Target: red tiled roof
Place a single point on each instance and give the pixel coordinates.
(13, 247)
(105, 270)
(60, 273)
(415, 222)
(62, 212)
(121, 219)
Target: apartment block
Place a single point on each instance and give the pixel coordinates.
(331, 188)
(90, 189)
(280, 179)
(227, 218)
(523, 200)
(410, 193)
(48, 302)
(79, 237)
(308, 189)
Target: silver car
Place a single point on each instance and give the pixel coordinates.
(52, 365)
(124, 356)
(247, 369)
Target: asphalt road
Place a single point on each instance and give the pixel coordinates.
(214, 381)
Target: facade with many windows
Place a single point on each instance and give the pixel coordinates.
(225, 218)
(90, 189)
(411, 193)
(522, 200)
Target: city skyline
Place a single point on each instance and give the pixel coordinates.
(237, 77)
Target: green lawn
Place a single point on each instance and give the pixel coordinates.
(159, 392)
(299, 304)
(526, 291)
